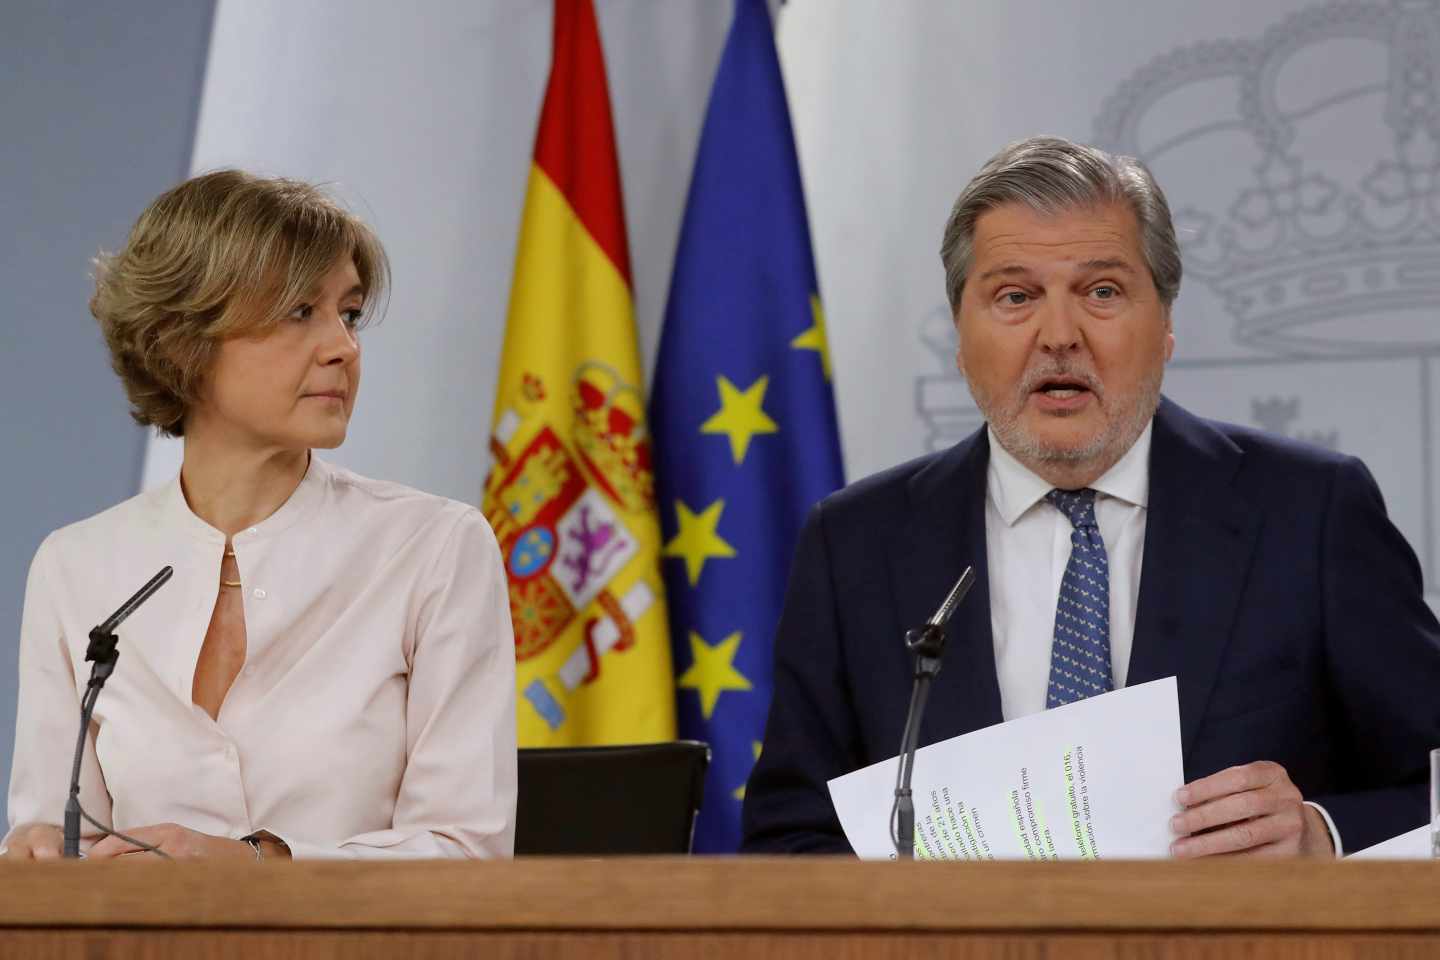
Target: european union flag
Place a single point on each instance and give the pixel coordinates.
(742, 413)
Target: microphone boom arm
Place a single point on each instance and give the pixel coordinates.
(927, 643)
(104, 652)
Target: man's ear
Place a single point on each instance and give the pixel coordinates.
(959, 343)
(1169, 336)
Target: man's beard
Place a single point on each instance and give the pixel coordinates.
(1121, 429)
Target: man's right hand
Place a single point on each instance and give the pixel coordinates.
(34, 841)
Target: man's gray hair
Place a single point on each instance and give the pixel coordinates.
(1051, 175)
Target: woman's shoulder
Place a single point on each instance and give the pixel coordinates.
(387, 502)
(126, 519)
(101, 546)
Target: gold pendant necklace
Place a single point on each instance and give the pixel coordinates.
(223, 581)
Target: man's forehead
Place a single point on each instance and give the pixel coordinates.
(1107, 232)
(1011, 268)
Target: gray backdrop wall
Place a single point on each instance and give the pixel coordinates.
(97, 115)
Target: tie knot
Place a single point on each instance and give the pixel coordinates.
(1078, 505)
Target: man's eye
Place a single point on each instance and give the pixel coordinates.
(1105, 293)
(1014, 298)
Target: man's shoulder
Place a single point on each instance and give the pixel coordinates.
(886, 484)
(1262, 451)
(892, 492)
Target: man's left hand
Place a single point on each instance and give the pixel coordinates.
(1253, 811)
(179, 843)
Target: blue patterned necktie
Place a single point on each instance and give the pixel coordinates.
(1080, 658)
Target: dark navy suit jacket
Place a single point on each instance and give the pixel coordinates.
(1273, 587)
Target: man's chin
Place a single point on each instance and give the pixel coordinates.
(1058, 453)
(1057, 446)
(1066, 438)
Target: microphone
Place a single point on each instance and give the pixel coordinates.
(929, 640)
(102, 650)
(927, 643)
(130, 606)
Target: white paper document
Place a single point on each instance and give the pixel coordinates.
(1414, 845)
(1093, 779)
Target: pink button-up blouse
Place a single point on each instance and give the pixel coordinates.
(374, 716)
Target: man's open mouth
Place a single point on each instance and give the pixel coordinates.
(1062, 388)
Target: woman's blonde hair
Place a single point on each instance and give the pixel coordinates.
(222, 255)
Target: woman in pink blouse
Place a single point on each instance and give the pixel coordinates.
(330, 672)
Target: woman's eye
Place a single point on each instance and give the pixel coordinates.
(302, 312)
(352, 317)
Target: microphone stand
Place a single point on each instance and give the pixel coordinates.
(928, 644)
(103, 651)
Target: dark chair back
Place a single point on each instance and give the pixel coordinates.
(610, 800)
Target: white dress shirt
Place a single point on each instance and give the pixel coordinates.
(1027, 546)
(374, 716)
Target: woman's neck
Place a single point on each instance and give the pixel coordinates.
(233, 488)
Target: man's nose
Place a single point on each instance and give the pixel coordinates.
(1059, 324)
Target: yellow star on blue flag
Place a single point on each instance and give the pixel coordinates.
(741, 415)
(745, 314)
(712, 671)
(739, 792)
(696, 540)
(815, 337)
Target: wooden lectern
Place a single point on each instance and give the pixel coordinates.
(636, 908)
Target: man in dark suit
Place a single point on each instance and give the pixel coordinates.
(1116, 539)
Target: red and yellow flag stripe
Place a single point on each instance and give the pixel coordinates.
(571, 493)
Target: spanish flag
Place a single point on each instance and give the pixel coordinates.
(571, 495)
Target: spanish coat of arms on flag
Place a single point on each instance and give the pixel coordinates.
(571, 493)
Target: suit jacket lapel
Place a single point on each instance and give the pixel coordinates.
(1199, 538)
(945, 534)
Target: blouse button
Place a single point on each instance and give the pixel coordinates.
(258, 594)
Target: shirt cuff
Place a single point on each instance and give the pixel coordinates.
(1329, 825)
(354, 849)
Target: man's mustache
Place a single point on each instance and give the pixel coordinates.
(1035, 379)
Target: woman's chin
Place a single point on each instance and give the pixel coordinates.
(325, 436)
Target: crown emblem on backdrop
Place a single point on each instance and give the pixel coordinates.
(1329, 122)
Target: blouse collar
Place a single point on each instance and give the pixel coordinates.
(175, 512)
